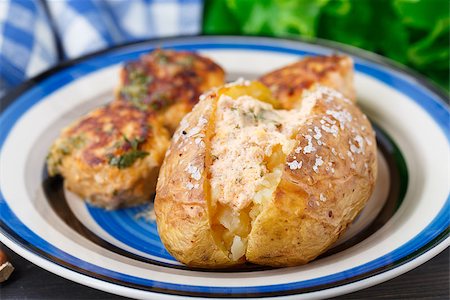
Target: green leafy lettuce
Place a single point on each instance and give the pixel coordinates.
(413, 32)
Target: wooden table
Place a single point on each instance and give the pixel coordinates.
(430, 281)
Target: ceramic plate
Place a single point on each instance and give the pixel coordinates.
(404, 224)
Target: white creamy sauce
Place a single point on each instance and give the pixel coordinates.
(247, 130)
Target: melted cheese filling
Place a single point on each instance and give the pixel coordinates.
(248, 152)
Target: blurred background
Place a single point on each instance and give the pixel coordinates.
(37, 34)
(415, 33)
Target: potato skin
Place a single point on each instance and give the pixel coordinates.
(311, 207)
(181, 208)
(288, 83)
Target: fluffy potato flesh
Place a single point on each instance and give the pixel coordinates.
(277, 187)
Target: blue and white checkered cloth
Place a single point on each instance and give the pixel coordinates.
(36, 34)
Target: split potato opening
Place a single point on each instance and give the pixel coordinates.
(249, 145)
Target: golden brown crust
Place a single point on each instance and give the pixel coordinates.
(168, 82)
(155, 93)
(312, 205)
(104, 127)
(111, 156)
(315, 203)
(181, 202)
(288, 83)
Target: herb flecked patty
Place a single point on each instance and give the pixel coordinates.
(111, 156)
(168, 82)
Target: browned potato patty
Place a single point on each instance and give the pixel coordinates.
(111, 156)
(168, 82)
(288, 83)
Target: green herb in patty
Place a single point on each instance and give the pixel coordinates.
(128, 158)
(136, 89)
(161, 58)
(56, 154)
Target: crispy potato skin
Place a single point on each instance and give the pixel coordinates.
(288, 83)
(310, 209)
(168, 82)
(297, 225)
(182, 211)
(84, 149)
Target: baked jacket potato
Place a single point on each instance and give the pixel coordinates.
(245, 182)
(288, 83)
(111, 156)
(168, 82)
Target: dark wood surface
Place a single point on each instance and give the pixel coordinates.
(428, 281)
